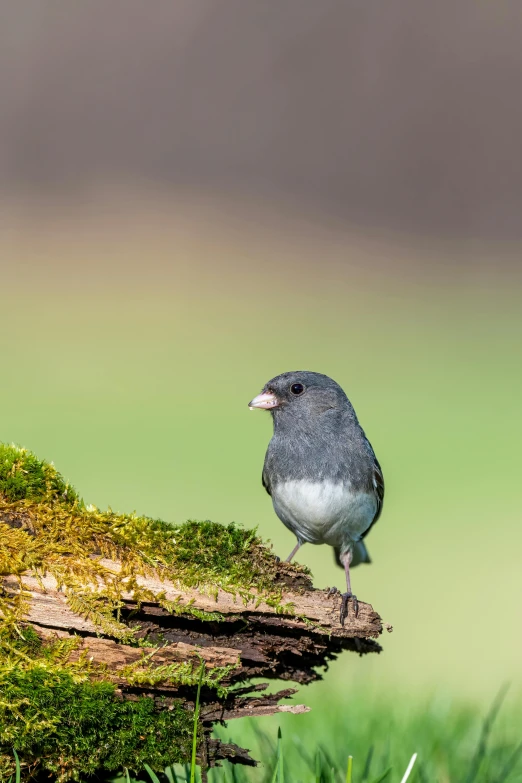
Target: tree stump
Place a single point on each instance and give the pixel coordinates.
(124, 616)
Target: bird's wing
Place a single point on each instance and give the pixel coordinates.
(378, 486)
(266, 481)
(378, 483)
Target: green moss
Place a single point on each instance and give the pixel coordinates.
(183, 673)
(72, 729)
(204, 553)
(24, 476)
(67, 539)
(194, 553)
(61, 710)
(65, 716)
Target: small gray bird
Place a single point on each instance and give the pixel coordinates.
(320, 469)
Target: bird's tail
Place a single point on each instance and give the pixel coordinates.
(360, 555)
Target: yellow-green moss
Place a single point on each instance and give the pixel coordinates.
(67, 539)
(62, 713)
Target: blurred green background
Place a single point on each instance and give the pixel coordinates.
(195, 200)
(131, 347)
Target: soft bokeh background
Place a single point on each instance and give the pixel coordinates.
(197, 197)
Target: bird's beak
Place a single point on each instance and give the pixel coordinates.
(266, 400)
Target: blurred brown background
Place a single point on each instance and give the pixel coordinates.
(404, 115)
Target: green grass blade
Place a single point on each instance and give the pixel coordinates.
(278, 776)
(421, 774)
(281, 768)
(509, 766)
(171, 775)
(349, 770)
(276, 769)
(152, 775)
(17, 760)
(484, 735)
(317, 766)
(195, 733)
(383, 776)
(409, 768)
(367, 764)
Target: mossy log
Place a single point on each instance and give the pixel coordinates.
(110, 622)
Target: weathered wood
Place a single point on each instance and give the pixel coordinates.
(263, 642)
(116, 655)
(291, 641)
(217, 751)
(320, 607)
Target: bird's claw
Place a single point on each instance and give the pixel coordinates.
(332, 591)
(344, 606)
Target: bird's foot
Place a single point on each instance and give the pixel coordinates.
(344, 606)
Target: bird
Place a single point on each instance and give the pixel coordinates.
(320, 469)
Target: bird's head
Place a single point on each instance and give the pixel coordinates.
(300, 393)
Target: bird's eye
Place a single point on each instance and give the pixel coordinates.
(297, 388)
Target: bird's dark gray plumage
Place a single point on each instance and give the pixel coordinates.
(320, 469)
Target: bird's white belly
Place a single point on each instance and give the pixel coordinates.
(324, 512)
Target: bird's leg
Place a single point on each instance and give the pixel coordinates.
(346, 559)
(294, 550)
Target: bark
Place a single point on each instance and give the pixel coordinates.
(267, 643)
(255, 638)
